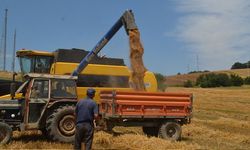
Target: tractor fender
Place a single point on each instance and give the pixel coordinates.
(53, 106)
(61, 103)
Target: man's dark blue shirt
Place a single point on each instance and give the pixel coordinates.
(85, 110)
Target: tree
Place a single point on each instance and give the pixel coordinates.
(213, 80)
(188, 83)
(207, 80)
(223, 79)
(247, 80)
(239, 65)
(160, 81)
(236, 80)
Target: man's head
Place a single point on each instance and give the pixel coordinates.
(91, 93)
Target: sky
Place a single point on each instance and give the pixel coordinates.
(178, 36)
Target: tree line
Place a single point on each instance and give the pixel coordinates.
(239, 65)
(218, 80)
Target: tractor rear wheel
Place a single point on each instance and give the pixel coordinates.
(60, 125)
(150, 131)
(5, 133)
(170, 130)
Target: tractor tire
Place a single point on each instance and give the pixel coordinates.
(151, 131)
(171, 131)
(5, 133)
(60, 125)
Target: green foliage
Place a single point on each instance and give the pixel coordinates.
(223, 80)
(213, 80)
(218, 80)
(236, 80)
(239, 65)
(247, 80)
(191, 72)
(160, 81)
(188, 84)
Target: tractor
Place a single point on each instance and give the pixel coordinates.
(47, 104)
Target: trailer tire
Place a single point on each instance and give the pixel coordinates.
(150, 131)
(170, 130)
(5, 133)
(60, 125)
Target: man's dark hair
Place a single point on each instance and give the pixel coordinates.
(91, 93)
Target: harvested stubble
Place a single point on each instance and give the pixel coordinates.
(221, 121)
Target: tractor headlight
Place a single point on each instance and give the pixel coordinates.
(13, 115)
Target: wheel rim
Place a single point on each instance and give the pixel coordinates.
(171, 131)
(67, 125)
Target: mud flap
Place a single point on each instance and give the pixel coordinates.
(5, 133)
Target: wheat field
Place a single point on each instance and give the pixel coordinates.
(221, 121)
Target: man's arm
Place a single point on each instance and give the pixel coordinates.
(96, 112)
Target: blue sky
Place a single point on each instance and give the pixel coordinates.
(178, 36)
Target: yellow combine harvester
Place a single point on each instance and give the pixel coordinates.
(101, 73)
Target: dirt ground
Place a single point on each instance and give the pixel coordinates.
(221, 121)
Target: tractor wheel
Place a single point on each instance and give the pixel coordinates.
(170, 130)
(60, 125)
(150, 131)
(5, 133)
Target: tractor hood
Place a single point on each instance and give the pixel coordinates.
(9, 104)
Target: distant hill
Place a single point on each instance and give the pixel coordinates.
(5, 81)
(4, 75)
(178, 80)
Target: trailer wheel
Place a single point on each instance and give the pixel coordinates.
(5, 133)
(170, 130)
(151, 131)
(60, 125)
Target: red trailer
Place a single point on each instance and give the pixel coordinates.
(160, 114)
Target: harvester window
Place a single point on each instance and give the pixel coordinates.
(42, 64)
(63, 89)
(26, 64)
(35, 64)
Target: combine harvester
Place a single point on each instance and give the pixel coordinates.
(102, 73)
(40, 106)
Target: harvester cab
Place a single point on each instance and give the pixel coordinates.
(47, 104)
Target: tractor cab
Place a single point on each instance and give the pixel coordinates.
(43, 96)
(42, 92)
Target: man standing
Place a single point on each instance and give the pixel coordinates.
(86, 111)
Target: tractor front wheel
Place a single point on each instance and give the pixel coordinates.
(5, 133)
